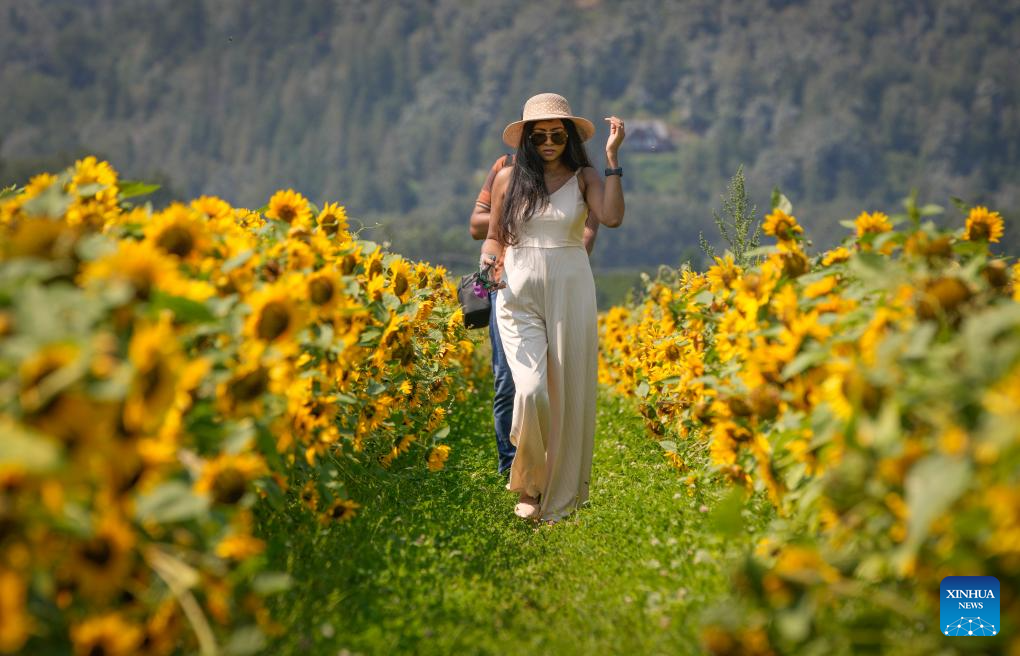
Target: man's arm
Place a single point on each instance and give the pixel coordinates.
(479, 224)
(492, 248)
(480, 220)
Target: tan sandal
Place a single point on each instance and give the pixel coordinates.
(528, 508)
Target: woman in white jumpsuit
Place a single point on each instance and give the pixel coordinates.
(546, 311)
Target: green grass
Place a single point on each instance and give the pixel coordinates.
(438, 563)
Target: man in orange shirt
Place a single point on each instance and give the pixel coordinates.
(503, 400)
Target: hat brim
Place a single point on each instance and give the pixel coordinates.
(512, 133)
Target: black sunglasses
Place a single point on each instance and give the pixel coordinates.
(559, 137)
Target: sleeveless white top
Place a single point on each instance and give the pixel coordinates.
(560, 223)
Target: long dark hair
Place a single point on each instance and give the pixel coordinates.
(526, 193)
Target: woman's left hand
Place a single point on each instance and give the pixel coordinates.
(616, 135)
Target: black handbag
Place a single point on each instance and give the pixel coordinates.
(476, 309)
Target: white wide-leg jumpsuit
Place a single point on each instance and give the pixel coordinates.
(547, 321)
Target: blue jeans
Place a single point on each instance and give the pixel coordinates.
(503, 400)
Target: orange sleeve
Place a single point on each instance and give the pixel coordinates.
(485, 195)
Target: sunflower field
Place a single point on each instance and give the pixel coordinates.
(871, 394)
(164, 374)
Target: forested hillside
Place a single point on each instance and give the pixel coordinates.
(396, 107)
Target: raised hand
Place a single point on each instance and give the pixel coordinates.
(616, 136)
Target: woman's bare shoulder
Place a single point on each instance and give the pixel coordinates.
(588, 176)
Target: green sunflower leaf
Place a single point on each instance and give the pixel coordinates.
(171, 502)
(135, 188)
(184, 309)
(27, 449)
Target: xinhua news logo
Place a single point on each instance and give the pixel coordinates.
(969, 606)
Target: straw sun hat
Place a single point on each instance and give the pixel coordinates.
(544, 107)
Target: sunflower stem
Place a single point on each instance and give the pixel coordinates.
(179, 577)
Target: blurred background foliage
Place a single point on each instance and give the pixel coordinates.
(396, 107)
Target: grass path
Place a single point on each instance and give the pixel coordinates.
(437, 563)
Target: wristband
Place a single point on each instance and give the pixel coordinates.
(617, 171)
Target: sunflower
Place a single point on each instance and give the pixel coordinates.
(276, 313)
(332, 219)
(375, 287)
(44, 374)
(371, 417)
(161, 448)
(324, 291)
(15, 622)
(396, 336)
(90, 171)
(349, 322)
(342, 510)
(38, 184)
(290, 207)
(438, 457)
(674, 460)
(154, 353)
(179, 231)
(109, 635)
(781, 225)
(1002, 502)
(731, 338)
(726, 438)
(309, 409)
(243, 394)
(348, 259)
(41, 238)
(240, 544)
(93, 180)
(82, 423)
(792, 261)
(401, 446)
(436, 419)
(872, 224)
(760, 284)
(146, 268)
(102, 563)
(298, 254)
(439, 280)
(931, 247)
(439, 391)
(162, 630)
(400, 281)
(723, 274)
(983, 225)
(92, 213)
(421, 275)
(372, 264)
(836, 256)
(247, 219)
(821, 287)
(213, 208)
(425, 308)
(310, 495)
(784, 303)
(236, 273)
(225, 478)
(942, 296)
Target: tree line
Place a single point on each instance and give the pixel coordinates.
(395, 108)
